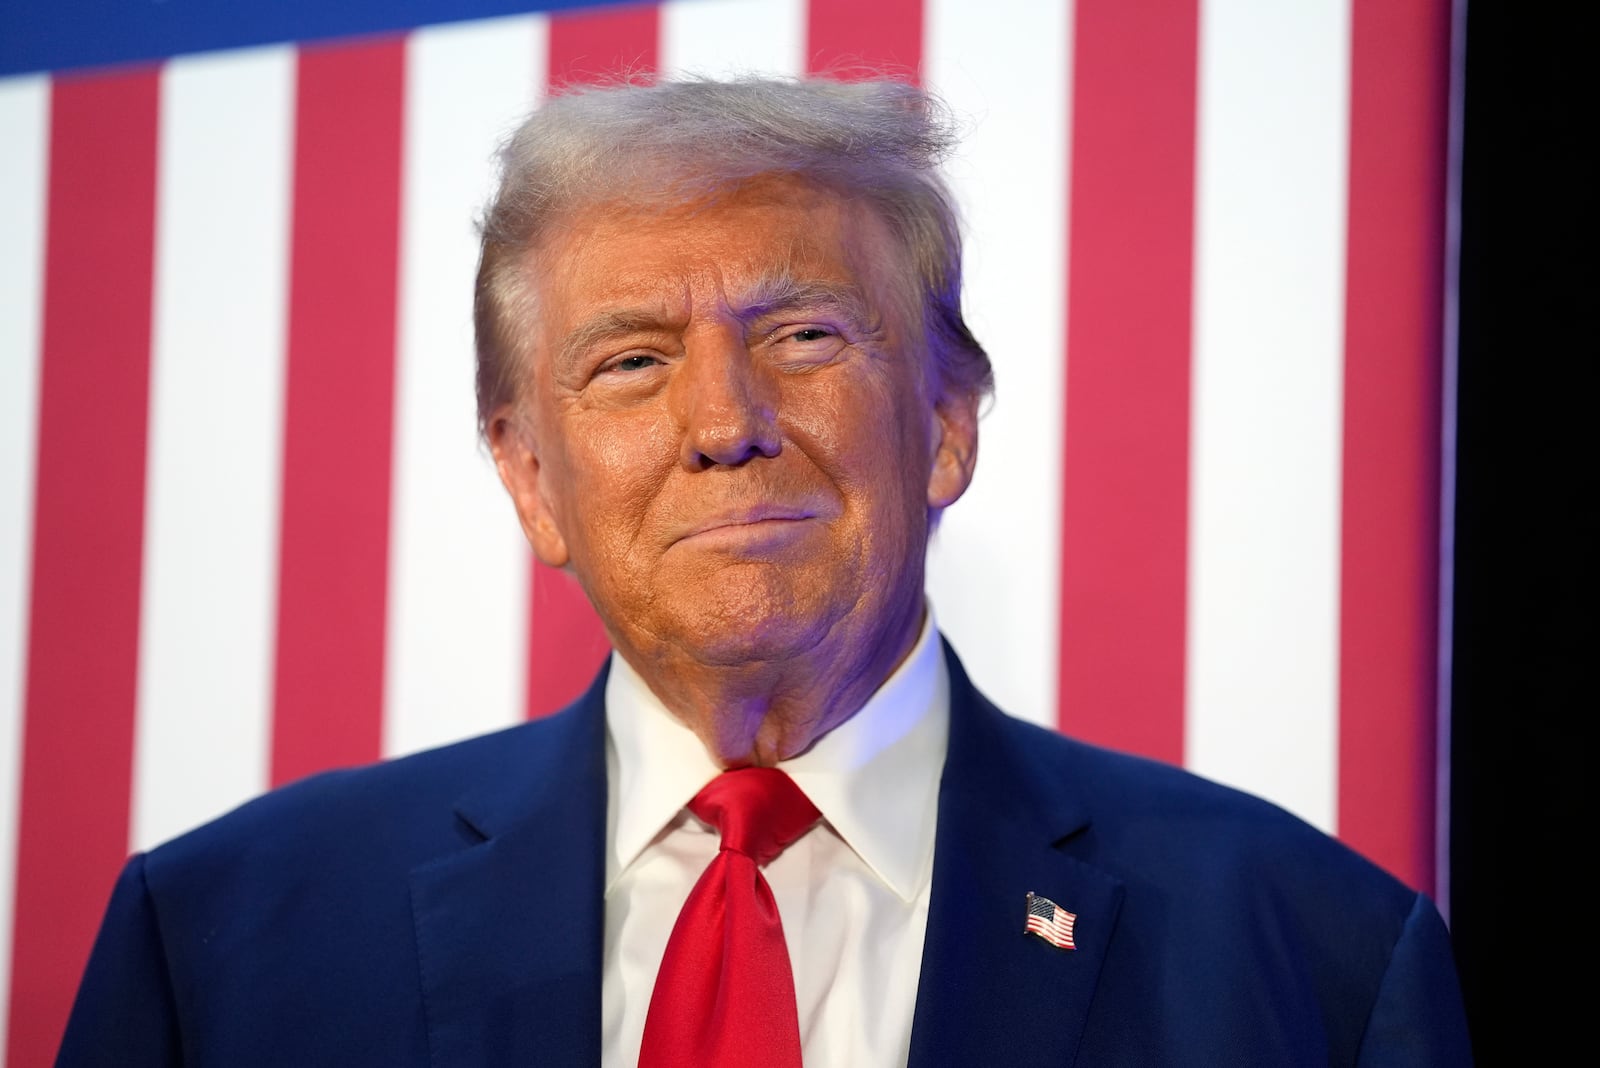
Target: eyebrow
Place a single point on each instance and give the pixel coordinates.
(774, 293)
(607, 324)
(783, 292)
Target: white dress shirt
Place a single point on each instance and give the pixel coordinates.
(852, 893)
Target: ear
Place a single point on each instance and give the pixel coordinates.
(511, 441)
(955, 445)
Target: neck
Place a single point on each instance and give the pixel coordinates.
(762, 712)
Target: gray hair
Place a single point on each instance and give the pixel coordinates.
(879, 141)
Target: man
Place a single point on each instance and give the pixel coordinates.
(726, 382)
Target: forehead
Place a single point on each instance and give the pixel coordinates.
(732, 245)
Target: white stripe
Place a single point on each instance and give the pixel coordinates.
(730, 37)
(458, 570)
(216, 394)
(994, 570)
(1267, 396)
(25, 133)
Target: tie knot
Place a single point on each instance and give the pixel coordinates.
(758, 811)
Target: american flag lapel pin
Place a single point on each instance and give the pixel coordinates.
(1050, 922)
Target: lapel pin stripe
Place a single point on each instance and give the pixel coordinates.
(1050, 922)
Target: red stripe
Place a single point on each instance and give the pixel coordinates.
(1399, 86)
(1126, 471)
(77, 755)
(339, 408)
(846, 36)
(565, 639)
(591, 46)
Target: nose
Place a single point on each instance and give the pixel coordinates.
(725, 402)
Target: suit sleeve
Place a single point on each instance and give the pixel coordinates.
(1418, 1017)
(125, 1013)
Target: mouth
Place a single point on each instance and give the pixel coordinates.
(749, 529)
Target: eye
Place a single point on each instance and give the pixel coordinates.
(804, 346)
(807, 334)
(636, 361)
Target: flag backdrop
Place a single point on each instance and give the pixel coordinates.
(246, 531)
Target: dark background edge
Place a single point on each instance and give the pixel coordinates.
(1524, 538)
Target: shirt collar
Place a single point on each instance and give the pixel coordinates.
(874, 778)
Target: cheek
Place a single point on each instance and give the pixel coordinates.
(867, 436)
(614, 470)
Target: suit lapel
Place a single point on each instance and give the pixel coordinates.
(510, 928)
(989, 993)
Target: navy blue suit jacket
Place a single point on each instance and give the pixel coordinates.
(446, 909)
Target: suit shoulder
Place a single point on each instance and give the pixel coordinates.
(1125, 781)
(395, 810)
(1147, 815)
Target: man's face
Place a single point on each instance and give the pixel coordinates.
(728, 432)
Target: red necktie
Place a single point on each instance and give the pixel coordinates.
(724, 996)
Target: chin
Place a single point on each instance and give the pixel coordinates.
(738, 621)
(758, 640)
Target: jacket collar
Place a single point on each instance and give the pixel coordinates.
(990, 993)
(510, 928)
